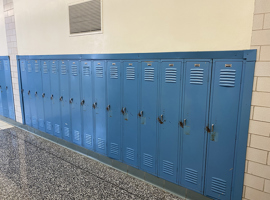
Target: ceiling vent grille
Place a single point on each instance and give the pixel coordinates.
(85, 17)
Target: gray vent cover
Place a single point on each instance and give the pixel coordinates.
(85, 17)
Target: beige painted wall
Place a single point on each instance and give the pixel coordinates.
(136, 26)
(3, 38)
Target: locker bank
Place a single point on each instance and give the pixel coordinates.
(181, 117)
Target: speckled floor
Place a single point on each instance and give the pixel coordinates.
(35, 168)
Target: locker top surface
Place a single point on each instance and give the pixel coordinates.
(4, 57)
(248, 55)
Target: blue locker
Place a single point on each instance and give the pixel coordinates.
(100, 106)
(38, 95)
(4, 90)
(9, 90)
(87, 111)
(114, 109)
(195, 118)
(75, 102)
(148, 117)
(55, 123)
(46, 83)
(224, 107)
(130, 112)
(2, 87)
(25, 91)
(168, 119)
(65, 103)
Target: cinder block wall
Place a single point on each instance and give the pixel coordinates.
(257, 176)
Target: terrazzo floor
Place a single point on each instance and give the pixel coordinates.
(34, 168)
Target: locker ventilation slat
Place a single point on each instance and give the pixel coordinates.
(191, 176)
(86, 70)
(196, 76)
(36, 68)
(101, 144)
(227, 77)
(66, 131)
(27, 119)
(167, 167)
(6, 66)
(114, 148)
(114, 72)
(56, 128)
(48, 126)
(218, 186)
(63, 69)
(34, 121)
(130, 154)
(29, 67)
(54, 69)
(45, 69)
(149, 74)
(88, 139)
(22, 65)
(41, 123)
(74, 70)
(1, 67)
(148, 160)
(170, 76)
(130, 73)
(99, 71)
(76, 135)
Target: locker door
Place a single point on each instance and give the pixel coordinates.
(114, 109)
(226, 89)
(130, 112)
(46, 81)
(4, 91)
(75, 102)
(9, 90)
(2, 87)
(195, 115)
(100, 106)
(38, 95)
(55, 123)
(26, 91)
(65, 105)
(148, 117)
(31, 93)
(168, 120)
(87, 112)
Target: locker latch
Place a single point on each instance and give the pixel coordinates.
(181, 124)
(108, 107)
(43, 95)
(51, 96)
(28, 92)
(70, 100)
(61, 98)
(140, 113)
(208, 129)
(6, 87)
(95, 105)
(160, 120)
(82, 102)
(123, 111)
(36, 93)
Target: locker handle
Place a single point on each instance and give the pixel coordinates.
(212, 129)
(51, 96)
(82, 102)
(61, 98)
(160, 120)
(6, 87)
(123, 111)
(95, 105)
(28, 92)
(70, 100)
(108, 107)
(43, 95)
(161, 117)
(140, 113)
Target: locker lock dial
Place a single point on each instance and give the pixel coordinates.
(52, 96)
(82, 102)
(61, 98)
(95, 105)
(28, 92)
(70, 100)
(108, 107)
(43, 95)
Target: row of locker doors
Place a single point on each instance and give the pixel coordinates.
(6, 91)
(176, 119)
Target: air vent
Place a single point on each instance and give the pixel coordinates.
(34, 121)
(148, 160)
(36, 68)
(41, 123)
(85, 17)
(130, 73)
(218, 186)
(76, 135)
(196, 76)
(6, 65)
(86, 70)
(149, 74)
(130, 154)
(29, 67)
(22, 65)
(99, 71)
(74, 70)
(101, 144)
(45, 68)
(66, 131)
(170, 76)
(54, 69)
(227, 77)
(167, 167)
(88, 139)
(114, 148)
(56, 128)
(114, 72)
(48, 126)
(63, 69)
(191, 176)
(1, 66)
